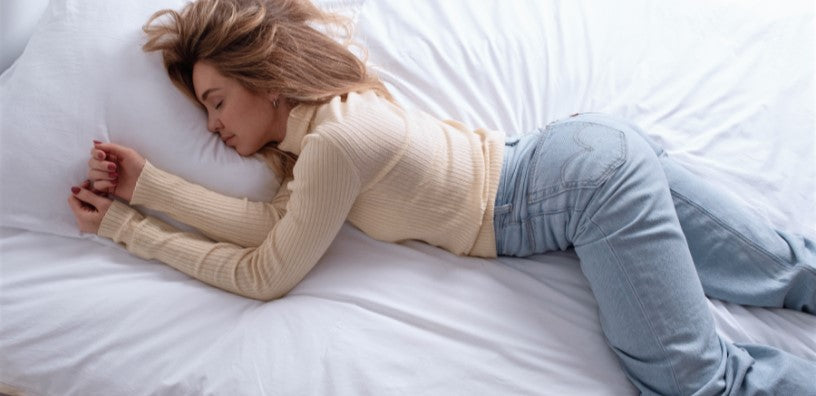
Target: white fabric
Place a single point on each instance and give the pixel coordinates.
(17, 21)
(727, 87)
(371, 318)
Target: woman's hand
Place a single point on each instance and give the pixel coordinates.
(114, 169)
(89, 207)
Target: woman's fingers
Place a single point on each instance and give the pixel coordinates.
(87, 196)
(98, 188)
(125, 157)
(102, 166)
(89, 207)
(75, 203)
(104, 186)
(110, 149)
(95, 175)
(109, 166)
(98, 154)
(78, 207)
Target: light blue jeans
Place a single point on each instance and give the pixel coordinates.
(652, 239)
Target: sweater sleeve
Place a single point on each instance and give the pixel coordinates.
(222, 218)
(323, 191)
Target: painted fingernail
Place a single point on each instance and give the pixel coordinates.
(75, 190)
(113, 174)
(111, 167)
(97, 142)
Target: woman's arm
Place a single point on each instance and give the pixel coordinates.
(325, 186)
(226, 219)
(125, 173)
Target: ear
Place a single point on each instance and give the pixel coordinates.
(272, 96)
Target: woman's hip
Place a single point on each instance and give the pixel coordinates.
(550, 176)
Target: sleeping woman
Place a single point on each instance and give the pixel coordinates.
(652, 239)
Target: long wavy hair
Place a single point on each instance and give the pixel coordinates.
(287, 46)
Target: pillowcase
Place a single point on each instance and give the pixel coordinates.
(84, 76)
(17, 21)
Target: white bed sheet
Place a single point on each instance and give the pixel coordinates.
(372, 318)
(727, 87)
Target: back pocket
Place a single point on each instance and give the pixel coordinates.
(573, 155)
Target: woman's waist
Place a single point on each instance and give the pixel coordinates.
(518, 150)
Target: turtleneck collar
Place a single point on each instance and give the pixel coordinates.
(298, 125)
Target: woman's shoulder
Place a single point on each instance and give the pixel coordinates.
(354, 107)
(364, 125)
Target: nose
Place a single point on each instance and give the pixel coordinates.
(214, 125)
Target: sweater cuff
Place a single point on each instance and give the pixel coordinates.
(117, 222)
(151, 188)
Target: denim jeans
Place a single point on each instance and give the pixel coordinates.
(653, 240)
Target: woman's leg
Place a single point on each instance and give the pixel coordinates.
(739, 256)
(602, 190)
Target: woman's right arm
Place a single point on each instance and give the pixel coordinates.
(220, 217)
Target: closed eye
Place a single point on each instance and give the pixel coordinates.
(218, 106)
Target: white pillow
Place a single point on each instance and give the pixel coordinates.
(17, 21)
(84, 76)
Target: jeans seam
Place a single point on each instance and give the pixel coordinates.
(531, 237)
(640, 303)
(776, 259)
(568, 209)
(809, 269)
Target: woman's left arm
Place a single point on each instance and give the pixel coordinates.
(325, 186)
(220, 217)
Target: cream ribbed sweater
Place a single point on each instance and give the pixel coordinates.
(395, 175)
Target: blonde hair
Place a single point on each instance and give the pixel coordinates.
(267, 46)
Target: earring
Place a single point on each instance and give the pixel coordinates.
(275, 103)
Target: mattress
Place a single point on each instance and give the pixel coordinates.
(727, 88)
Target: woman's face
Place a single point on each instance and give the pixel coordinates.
(246, 121)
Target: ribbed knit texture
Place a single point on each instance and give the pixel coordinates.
(395, 175)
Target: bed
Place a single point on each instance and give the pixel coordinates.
(726, 87)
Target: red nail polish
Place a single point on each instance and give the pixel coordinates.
(97, 142)
(113, 174)
(111, 167)
(75, 190)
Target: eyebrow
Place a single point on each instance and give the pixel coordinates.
(207, 92)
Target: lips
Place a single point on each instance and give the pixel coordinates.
(228, 139)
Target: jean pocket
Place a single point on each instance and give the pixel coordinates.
(575, 154)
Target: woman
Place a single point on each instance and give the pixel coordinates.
(272, 83)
